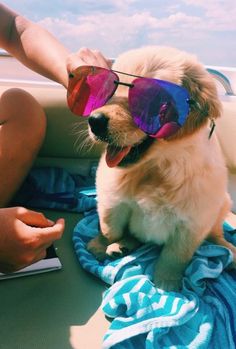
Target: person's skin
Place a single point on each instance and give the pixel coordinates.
(25, 234)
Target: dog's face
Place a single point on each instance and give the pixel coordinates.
(113, 123)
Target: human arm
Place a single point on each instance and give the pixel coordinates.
(25, 236)
(33, 46)
(40, 51)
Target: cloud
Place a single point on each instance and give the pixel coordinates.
(204, 27)
(178, 20)
(218, 15)
(116, 31)
(111, 33)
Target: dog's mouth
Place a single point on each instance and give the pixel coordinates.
(115, 154)
(118, 154)
(126, 155)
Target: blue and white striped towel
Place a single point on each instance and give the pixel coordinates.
(202, 316)
(56, 188)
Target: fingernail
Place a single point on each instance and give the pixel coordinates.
(50, 222)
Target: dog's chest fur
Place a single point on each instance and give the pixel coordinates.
(144, 223)
(171, 190)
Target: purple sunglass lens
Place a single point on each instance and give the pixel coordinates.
(155, 103)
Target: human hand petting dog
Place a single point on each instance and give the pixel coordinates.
(25, 236)
(86, 56)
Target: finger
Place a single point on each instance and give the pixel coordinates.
(50, 234)
(7, 268)
(94, 57)
(110, 62)
(100, 60)
(25, 262)
(39, 256)
(86, 56)
(82, 57)
(73, 62)
(33, 218)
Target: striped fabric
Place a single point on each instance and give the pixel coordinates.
(142, 316)
(203, 315)
(56, 188)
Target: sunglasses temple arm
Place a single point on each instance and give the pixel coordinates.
(123, 83)
(213, 125)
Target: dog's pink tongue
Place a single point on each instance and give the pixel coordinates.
(114, 155)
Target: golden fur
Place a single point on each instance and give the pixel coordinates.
(175, 194)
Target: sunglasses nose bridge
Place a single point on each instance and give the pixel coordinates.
(98, 123)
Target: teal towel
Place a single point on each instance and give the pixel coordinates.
(202, 315)
(142, 316)
(55, 188)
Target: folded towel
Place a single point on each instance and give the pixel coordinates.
(202, 315)
(55, 188)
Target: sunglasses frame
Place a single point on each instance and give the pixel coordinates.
(191, 102)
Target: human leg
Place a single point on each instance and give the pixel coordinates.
(22, 130)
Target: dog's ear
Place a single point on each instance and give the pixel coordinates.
(202, 88)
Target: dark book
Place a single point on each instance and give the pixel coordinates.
(50, 263)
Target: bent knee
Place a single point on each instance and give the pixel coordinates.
(19, 106)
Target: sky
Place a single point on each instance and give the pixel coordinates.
(206, 28)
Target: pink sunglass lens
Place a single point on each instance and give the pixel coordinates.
(89, 89)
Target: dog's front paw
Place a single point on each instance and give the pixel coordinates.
(101, 249)
(97, 247)
(116, 250)
(122, 247)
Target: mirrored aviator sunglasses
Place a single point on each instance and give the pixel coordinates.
(159, 108)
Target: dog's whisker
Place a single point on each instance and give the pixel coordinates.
(83, 139)
(85, 143)
(76, 128)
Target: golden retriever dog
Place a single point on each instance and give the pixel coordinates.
(171, 191)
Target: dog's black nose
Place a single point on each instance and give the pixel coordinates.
(98, 123)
